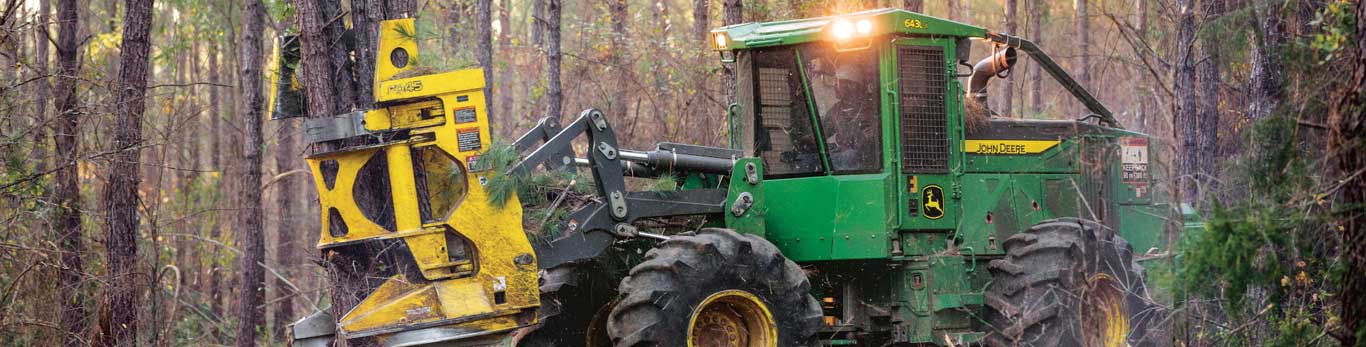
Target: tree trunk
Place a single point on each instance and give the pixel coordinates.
(917, 6)
(1207, 118)
(1185, 124)
(67, 190)
(734, 14)
(365, 18)
(1008, 88)
(1145, 102)
(554, 96)
(214, 275)
(286, 194)
(621, 65)
(400, 8)
(315, 61)
(1083, 32)
(1036, 14)
(1348, 143)
(121, 193)
(250, 309)
(483, 38)
(538, 22)
(41, 88)
(701, 21)
(1267, 73)
(341, 78)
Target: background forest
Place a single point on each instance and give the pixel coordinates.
(145, 199)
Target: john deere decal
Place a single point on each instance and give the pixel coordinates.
(932, 202)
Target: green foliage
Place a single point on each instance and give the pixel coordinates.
(1265, 255)
(1337, 21)
(499, 157)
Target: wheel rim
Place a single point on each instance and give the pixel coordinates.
(732, 318)
(597, 328)
(1104, 319)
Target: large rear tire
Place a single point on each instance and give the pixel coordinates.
(1069, 282)
(574, 300)
(715, 288)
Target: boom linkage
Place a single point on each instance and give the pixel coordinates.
(597, 225)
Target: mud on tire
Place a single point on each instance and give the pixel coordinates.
(1044, 292)
(660, 294)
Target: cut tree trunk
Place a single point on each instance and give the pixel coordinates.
(66, 191)
(121, 193)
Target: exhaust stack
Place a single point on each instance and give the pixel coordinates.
(990, 66)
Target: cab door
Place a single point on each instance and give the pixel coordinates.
(928, 131)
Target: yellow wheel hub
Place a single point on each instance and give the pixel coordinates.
(732, 318)
(1105, 322)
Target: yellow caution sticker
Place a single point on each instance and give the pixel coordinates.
(1008, 147)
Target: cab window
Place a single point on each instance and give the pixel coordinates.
(844, 87)
(784, 137)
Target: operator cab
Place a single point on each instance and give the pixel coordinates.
(851, 116)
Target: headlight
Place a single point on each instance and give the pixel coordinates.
(843, 29)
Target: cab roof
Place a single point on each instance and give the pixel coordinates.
(883, 21)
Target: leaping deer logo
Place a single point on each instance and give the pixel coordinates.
(932, 203)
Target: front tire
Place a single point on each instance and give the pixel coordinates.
(574, 299)
(1069, 282)
(715, 288)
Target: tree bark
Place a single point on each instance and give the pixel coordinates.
(365, 18)
(538, 22)
(286, 194)
(66, 191)
(1083, 32)
(250, 309)
(342, 79)
(554, 96)
(701, 21)
(1207, 118)
(483, 38)
(1008, 88)
(121, 193)
(1185, 125)
(1269, 34)
(1036, 14)
(315, 61)
(1348, 147)
(734, 14)
(917, 6)
(1145, 103)
(42, 92)
(620, 101)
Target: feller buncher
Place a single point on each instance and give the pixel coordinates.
(867, 198)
